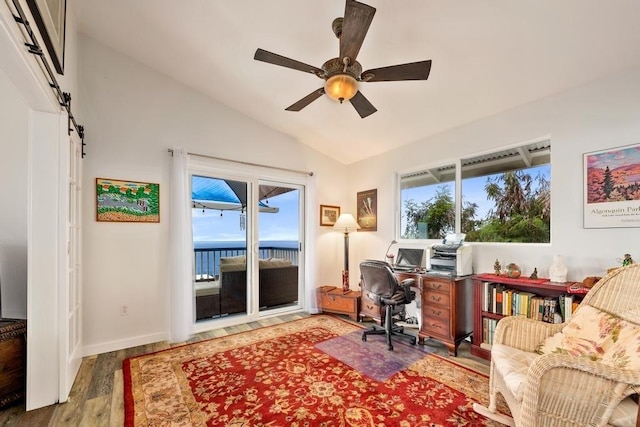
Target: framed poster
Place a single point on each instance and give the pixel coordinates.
(50, 17)
(329, 215)
(367, 210)
(612, 188)
(127, 201)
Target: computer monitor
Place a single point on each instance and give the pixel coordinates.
(411, 258)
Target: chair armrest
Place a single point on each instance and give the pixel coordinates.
(581, 390)
(524, 333)
(407, 282)
(406, 285)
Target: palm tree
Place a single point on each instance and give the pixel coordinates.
(522, 213)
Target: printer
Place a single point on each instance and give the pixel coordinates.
(452, 257)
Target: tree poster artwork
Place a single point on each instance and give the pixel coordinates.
(612, 188)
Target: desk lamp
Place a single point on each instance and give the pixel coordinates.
(347, 223)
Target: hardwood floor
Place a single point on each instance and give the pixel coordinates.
(96, 398)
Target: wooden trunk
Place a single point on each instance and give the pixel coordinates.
(13, 357)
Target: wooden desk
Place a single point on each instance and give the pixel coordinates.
(445, 308)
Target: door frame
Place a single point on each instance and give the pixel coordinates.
(253, 175)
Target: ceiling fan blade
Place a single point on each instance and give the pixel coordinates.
(413, 71)
(357, 19)
(362, 105)
(283, 61)
(306, 100)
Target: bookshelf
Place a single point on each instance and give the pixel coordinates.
(495, 297)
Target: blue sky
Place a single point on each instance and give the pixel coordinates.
(210, 226)
(472, 191)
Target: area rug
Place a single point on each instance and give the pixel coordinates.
(280, 376)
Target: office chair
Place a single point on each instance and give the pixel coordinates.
(382, 287)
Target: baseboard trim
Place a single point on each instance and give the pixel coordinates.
(106, 347)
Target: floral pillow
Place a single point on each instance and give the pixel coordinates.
(598, 336)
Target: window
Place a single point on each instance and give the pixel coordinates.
(427, 200)
(504, 197)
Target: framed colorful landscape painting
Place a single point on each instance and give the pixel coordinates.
(612, 188)
(127, 201)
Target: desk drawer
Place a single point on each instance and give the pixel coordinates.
(432, 311)
(369, 309)
(434, 285)
(435, 327)
(430, 298)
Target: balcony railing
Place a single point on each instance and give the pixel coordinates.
(207, 260)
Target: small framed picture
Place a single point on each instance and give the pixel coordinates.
(329, 215)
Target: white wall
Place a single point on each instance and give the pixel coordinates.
(13, 197)
(603, 114)
(133, 115)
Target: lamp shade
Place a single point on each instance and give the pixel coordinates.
(341, 87)
(347, 223)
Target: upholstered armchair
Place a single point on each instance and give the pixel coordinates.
(581, 373)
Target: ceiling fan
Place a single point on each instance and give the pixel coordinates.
(343, 74)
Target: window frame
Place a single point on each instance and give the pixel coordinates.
(541, 146)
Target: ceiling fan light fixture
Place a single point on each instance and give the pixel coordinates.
(341, 87)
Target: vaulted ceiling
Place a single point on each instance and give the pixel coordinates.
(488, 56)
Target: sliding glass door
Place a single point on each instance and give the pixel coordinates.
(219, 223)
(247, 239)
(279, 223)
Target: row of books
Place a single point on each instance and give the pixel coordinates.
(500, 299)
(488, 329)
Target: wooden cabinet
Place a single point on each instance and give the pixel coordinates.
(13, 352)
(485, 318)
(446, 310)
(334, 300)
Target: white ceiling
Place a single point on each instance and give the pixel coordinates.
(488, 56)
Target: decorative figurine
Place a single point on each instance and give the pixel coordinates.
(497, 267)
(558, 271)
(627, 260)
(534, 275)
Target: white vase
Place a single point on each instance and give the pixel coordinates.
(558, 271)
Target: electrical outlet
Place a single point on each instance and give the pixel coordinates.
(124, 310)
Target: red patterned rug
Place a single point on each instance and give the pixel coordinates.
(279, 376)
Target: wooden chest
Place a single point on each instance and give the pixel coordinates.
(334, 300)
(13, 358)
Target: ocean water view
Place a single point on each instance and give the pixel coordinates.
(208, 254)
(218, 244)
